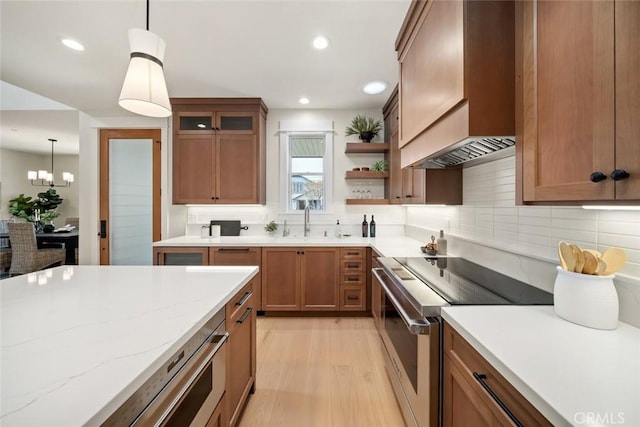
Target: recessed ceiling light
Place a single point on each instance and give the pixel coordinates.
(374, 88)
(303, 100)
(72, 44)
(320, 42)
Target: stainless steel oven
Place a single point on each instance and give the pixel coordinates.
(187, 389)
(415, 290)
(412, 355)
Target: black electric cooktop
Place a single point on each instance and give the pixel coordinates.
(462, 282)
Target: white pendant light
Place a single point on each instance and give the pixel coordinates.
(144, 90)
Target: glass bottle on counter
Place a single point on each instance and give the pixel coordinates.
(365, 227)
(372, 227)
(338, 229)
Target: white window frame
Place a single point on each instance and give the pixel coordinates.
(306, 127)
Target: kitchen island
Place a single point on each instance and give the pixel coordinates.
(78, 341)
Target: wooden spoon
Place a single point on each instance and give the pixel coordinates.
(615, 259)
(579, 255)
(602, 266)
(590, 263)
(567, 259)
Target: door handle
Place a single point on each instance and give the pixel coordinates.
(103, 229)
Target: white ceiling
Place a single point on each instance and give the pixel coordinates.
(215, 48)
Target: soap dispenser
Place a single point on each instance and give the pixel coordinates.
(338, 229)
(441, 244)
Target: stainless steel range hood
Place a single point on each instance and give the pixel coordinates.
(469, 152)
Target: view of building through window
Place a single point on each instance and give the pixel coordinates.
(307, 172)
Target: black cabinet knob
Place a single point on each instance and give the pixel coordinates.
(619, 174)
(597, 177)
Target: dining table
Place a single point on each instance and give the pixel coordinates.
(69, 238)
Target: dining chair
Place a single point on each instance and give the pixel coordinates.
(5, 247)
(75, 221)
(26, 257)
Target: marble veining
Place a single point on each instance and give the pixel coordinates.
(77, 341)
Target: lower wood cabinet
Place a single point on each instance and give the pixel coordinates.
(241, 354)
(476, 394)
(353, 279)
(236, 255)
(219, 416)
(301, 278)
(376, 293)
(178, 255)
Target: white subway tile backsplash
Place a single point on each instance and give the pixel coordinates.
(627, 228)
(489, 217)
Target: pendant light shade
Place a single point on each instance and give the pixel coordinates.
(144, 90)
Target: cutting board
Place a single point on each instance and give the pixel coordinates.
(227, 227)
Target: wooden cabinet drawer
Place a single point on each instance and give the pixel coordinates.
(470, 381)
(240, 307)
(352, 298)
(352, 253)
(354, 279)
(352, 266)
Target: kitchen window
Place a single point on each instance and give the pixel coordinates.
(306, 153)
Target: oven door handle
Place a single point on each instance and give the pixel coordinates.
(420, 326)
(219, 340)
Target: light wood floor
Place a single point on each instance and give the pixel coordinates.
(325, 372)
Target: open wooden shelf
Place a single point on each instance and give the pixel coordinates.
(366, 175)
(367, 201)
(367, 147)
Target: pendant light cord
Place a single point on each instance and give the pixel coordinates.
(52, 141)
(147, 15)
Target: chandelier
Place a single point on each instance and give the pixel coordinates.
(45, 178)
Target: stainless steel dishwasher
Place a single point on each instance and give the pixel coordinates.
(187, 388)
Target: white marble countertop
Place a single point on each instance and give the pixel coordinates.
(572, 374)
(77, 341)
(399, 246)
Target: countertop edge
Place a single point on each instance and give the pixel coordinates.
(103, 414)
(523, 388)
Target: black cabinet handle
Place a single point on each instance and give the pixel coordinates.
(480, 378)
(619, 174)
(397, 197)
(233, 249)
(597, 177)
(245, 315)
(302, 252)
(244, 299)
(408, 196)
(103, 229)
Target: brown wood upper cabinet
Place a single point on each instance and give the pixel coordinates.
(456, 74)
(219, 150)
(579, 93)
(415, 186)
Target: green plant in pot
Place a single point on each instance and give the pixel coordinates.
(379, 166)
(22, 207)
(365, 127)
(271, 227)
(41, 211)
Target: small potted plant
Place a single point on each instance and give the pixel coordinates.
(271, 227)
(365, 127)
(379, 166)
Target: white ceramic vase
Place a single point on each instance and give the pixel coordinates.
(587, 300)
